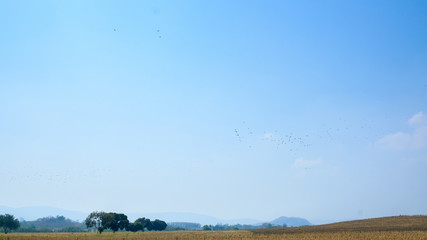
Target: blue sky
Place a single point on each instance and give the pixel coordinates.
(242, 109)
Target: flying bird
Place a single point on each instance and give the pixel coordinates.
(237, 135)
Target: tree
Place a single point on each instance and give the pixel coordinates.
(159, 225)
(122, 221)
(95, 219)
(135, 227)
(267, 225)
(108, 221)
(115, 221)
(145, 222)
(206, 228)
(102, 221)
(8, 223)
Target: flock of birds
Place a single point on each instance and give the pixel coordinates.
(54, 177)
(290, 141)
(294, 142)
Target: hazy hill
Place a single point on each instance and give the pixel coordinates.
(36, 212)
(398, 223)
(53, 223)
(291, 221)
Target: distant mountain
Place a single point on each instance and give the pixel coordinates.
(34, 213)
(291, 221)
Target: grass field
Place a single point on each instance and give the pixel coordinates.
(383, 235)
(402, 227)
(397, 223)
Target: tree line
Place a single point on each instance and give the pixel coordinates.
(119, 221)
(52, 224)
(100, 221)
(226, 227)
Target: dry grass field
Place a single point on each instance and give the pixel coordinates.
(397, 223)
(230, 235)
(402, 227)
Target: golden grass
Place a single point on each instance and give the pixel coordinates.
(393, 228)
(231, 235)
(398, 223)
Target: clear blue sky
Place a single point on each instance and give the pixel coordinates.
(236, 109)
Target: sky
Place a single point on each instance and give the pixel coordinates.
(234, 109)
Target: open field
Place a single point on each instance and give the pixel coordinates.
(402, 227)
(397, 223)
(230, 235)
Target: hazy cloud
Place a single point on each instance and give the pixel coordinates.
(418, 118)
(396, 141)
(303, 163)
(415, 139)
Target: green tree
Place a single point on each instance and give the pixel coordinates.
(107, 220)
(159, 225)
(97, 220)
(122, 221)
(206, 228)
(145, 222)
(135, 227)
(115, 221)
(8, 223)
(267, 225)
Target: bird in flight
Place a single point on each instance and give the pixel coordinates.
(237, 135)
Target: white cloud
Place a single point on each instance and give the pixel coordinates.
(303, 163)
(396, 141)
(418, 118)
(416, 139)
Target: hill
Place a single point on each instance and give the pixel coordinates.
(52, 224)
(290, 221)
(397, 223)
